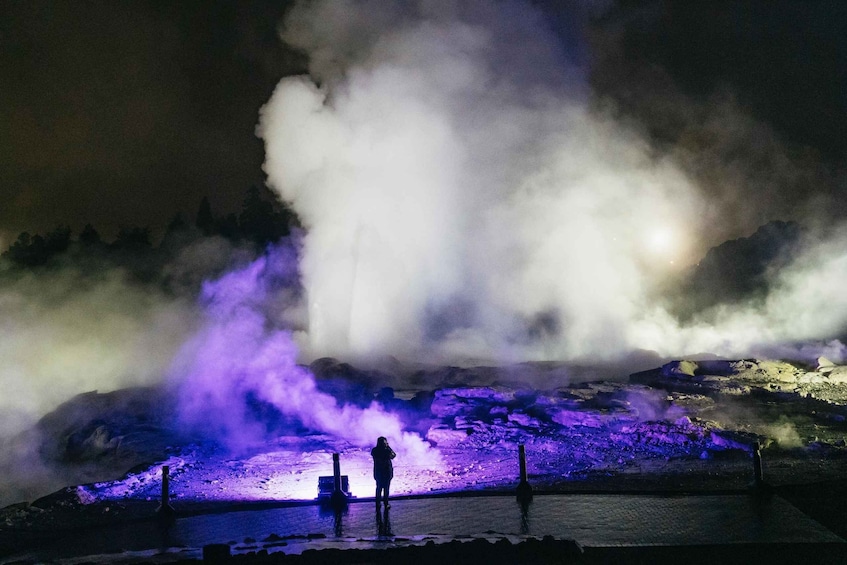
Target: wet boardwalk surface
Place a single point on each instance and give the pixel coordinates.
(591, 520)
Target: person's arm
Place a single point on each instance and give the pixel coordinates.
(391, 454)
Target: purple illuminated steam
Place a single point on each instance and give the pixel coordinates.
(243, 351)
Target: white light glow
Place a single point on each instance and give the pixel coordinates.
(660, 241)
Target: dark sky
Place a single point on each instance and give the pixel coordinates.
(785, 60)
(123, 113)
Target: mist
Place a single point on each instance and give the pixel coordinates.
(244, 353)
(465, 202)
(65, 332)
(458, 195)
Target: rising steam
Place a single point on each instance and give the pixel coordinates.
(463, 201)
(242, 352)
(457, 192)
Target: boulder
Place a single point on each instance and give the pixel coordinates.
(679, 369)
(837, 375)
(574, 418)
(824, 365)
(438, 435)
(524, 420)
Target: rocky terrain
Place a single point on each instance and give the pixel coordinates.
(687, 425)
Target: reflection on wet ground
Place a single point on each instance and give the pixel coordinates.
(591, 520)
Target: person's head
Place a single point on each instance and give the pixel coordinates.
(381, 441)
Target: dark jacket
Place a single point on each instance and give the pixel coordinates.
(383, 467)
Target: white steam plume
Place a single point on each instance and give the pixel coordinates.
(463, 201)
(806, 303)
(456, 190)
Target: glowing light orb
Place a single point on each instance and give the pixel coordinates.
(660, 241)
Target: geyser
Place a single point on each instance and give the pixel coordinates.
(465, 202)
(459, 196)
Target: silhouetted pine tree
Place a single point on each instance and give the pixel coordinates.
(35, 250)
(228, 227)
(264, 219)
(177, 235)
(133, 239)
(89, 236)
(58, 240)
(205, 221)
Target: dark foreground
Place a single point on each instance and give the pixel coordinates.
(549, 550)
(793, 524)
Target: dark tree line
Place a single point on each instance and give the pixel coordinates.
(31, 250)
(263, 220)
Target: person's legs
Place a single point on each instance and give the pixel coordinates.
(385, 490)
(381, 489)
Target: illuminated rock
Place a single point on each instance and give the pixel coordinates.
(838, 376)
(824, 365)
(441, 436)
(679, 369)
(574, 418)
(524, 420)
(461, 401)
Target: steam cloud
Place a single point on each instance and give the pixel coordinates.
(463, 201)
(244, 351)
(64, 333)
(456, 190)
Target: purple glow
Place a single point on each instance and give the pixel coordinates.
(573, 433)
(242, 351)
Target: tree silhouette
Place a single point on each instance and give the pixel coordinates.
(89, 236)
(177, 235)
(132, 239)
(263, 218)
(205, 221)
(57, 241)
(19, 252)
(228, 227)
(35, 250)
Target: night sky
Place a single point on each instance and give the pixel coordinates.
(125, 113)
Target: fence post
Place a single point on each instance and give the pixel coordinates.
(165, 509)
(760, 489)
(524, 490)
(758, 476)
(338, 498)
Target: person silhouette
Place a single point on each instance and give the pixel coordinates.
(383, 468)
